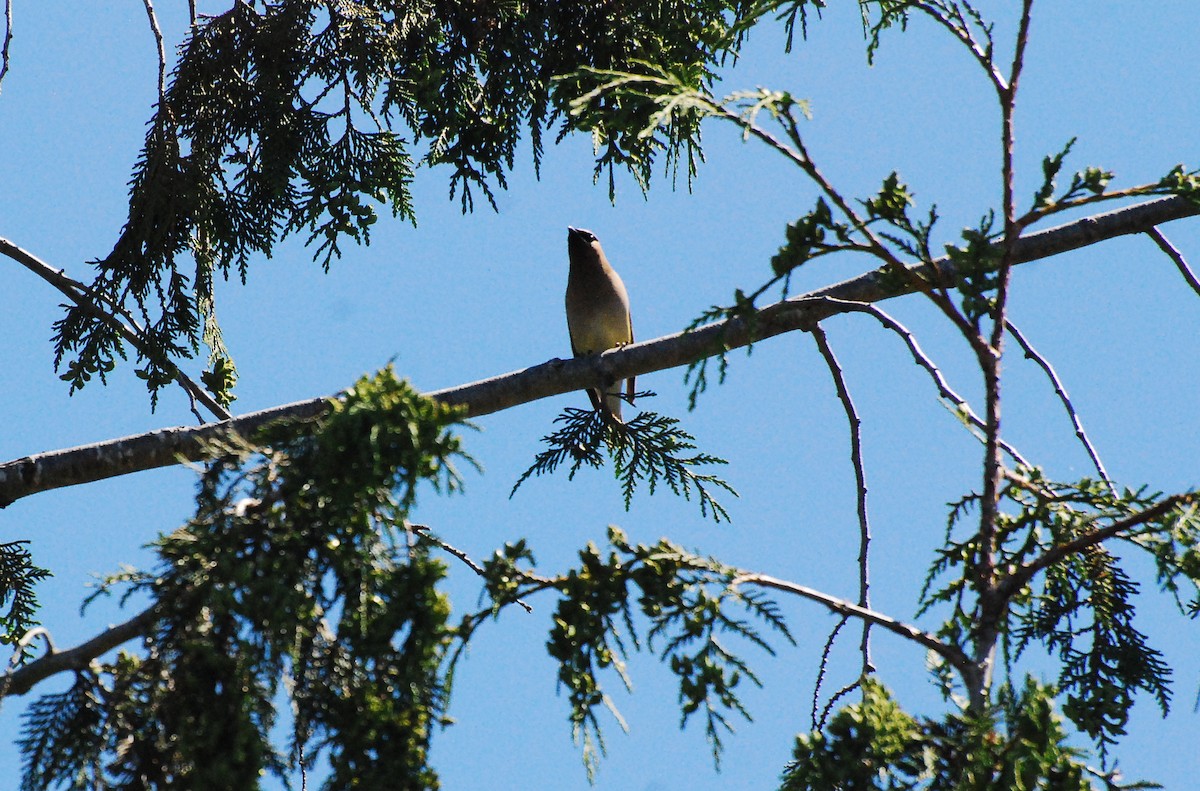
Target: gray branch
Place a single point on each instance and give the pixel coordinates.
(55, 469)
(78, 658)
(947, 651)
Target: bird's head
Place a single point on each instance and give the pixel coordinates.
(581, 242)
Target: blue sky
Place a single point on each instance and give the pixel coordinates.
(462, 298)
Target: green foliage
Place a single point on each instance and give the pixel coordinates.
(1091, 181)
(687, 600)
(310, 116)
(297, 568)
(791, 12)
(890, 206)
(977, 262)
(892, 202)
(62, 744)
(1077, 603)
(638, 115)
(649, 449)
(1050, 168)
(1084, 613)
(1181, 181)
(744, 309)
(220, 379)
(300, 575)
(806, 239)
(18, 580)
(1020, 744)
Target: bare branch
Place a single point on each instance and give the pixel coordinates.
(162, 52)
(6, 46)
(427, 533)
(54, 469)
(1037, 214)
(1019, 53)
(860, 480)
(823, 667)
(916, 278)
(991, 605)
(951, 653)
(833, 700)
(79, 657)
(962, 31)
(1052, 375)
(962, 408)
(1173, 253)
(113, 315)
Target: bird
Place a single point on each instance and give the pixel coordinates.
(597, 313)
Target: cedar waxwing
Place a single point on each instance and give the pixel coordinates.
(597, 311)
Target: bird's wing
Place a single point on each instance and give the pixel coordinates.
(593, 394)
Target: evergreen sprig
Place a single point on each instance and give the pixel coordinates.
(18, 596)
(63, 739)
(297, 566)
(691, 603)
(651, 449)
(875, 744)
(1078, 604)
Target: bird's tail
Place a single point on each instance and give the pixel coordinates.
(612, 405)
(608, 403)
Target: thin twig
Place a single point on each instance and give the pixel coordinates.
(1039, 213)
(162, 52)
(427, 533)
(1052, 375)
(947, 651)
(128, 328)
(841, 693)
(822, 668)
(799, 156)
(962, 32)
(6, 47)
(1173, 253)
(860, 480)
(962, 408)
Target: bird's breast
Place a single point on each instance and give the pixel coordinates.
(598, 318)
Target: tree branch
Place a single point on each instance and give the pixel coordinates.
(6, 46)
(1023, 575)
(85, 298)
(951, 653)
(162, 52)
(79, 657)
(1052, 375)
(860, 481)
(164, 447)
(1173, 253)
(961, 407)
(959, 28)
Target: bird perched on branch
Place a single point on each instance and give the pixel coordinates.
(597, 313)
